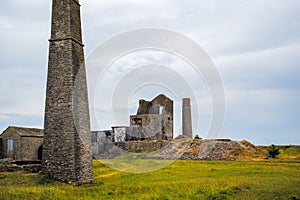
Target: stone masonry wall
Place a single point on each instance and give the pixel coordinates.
(16, 153)
(30, 146)
(143, 146)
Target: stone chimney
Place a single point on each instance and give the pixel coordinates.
(67, 137)
(187, 118)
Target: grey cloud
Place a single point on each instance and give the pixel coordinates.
(277, 68)
(254, 44)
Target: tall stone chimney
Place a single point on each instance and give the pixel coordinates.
(187, 118)
(66, 148)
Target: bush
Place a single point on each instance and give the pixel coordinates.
(197, 137)
(273, 151)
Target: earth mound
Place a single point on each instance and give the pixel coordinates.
(222, 149)
(189, 149)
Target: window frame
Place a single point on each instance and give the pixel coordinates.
(10, 144)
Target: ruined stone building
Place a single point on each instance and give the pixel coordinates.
(22, 144)
(153, 121)
(155, 118)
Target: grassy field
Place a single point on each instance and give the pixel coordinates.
(270, 179)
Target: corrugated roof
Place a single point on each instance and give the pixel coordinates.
(22, 131)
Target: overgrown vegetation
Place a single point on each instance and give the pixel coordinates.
(197, 137)
(272, 151)
(269, 179)
(287, 152)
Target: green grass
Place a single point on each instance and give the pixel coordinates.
(289, 152)
(181, 180)
(268, 179)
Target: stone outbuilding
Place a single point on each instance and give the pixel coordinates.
(21, 144)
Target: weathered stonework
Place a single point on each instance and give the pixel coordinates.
(67, 139)
(10, 165)
(187, 118)
(143, 146)
(155, 118)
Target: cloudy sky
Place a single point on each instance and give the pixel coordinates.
(254, 45)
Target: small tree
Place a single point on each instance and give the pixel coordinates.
(197, 137)
(273, 151)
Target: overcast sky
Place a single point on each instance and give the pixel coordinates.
(254, 45)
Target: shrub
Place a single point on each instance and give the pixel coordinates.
(273, 151)
(197, 137)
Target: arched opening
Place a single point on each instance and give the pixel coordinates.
(40, 152)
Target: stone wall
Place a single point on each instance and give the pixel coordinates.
(30, 146)
(16, 153)
(143, 146)
(98, 140)
(6, 165)
(144, 107)
(151, 127)
(9, 165)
